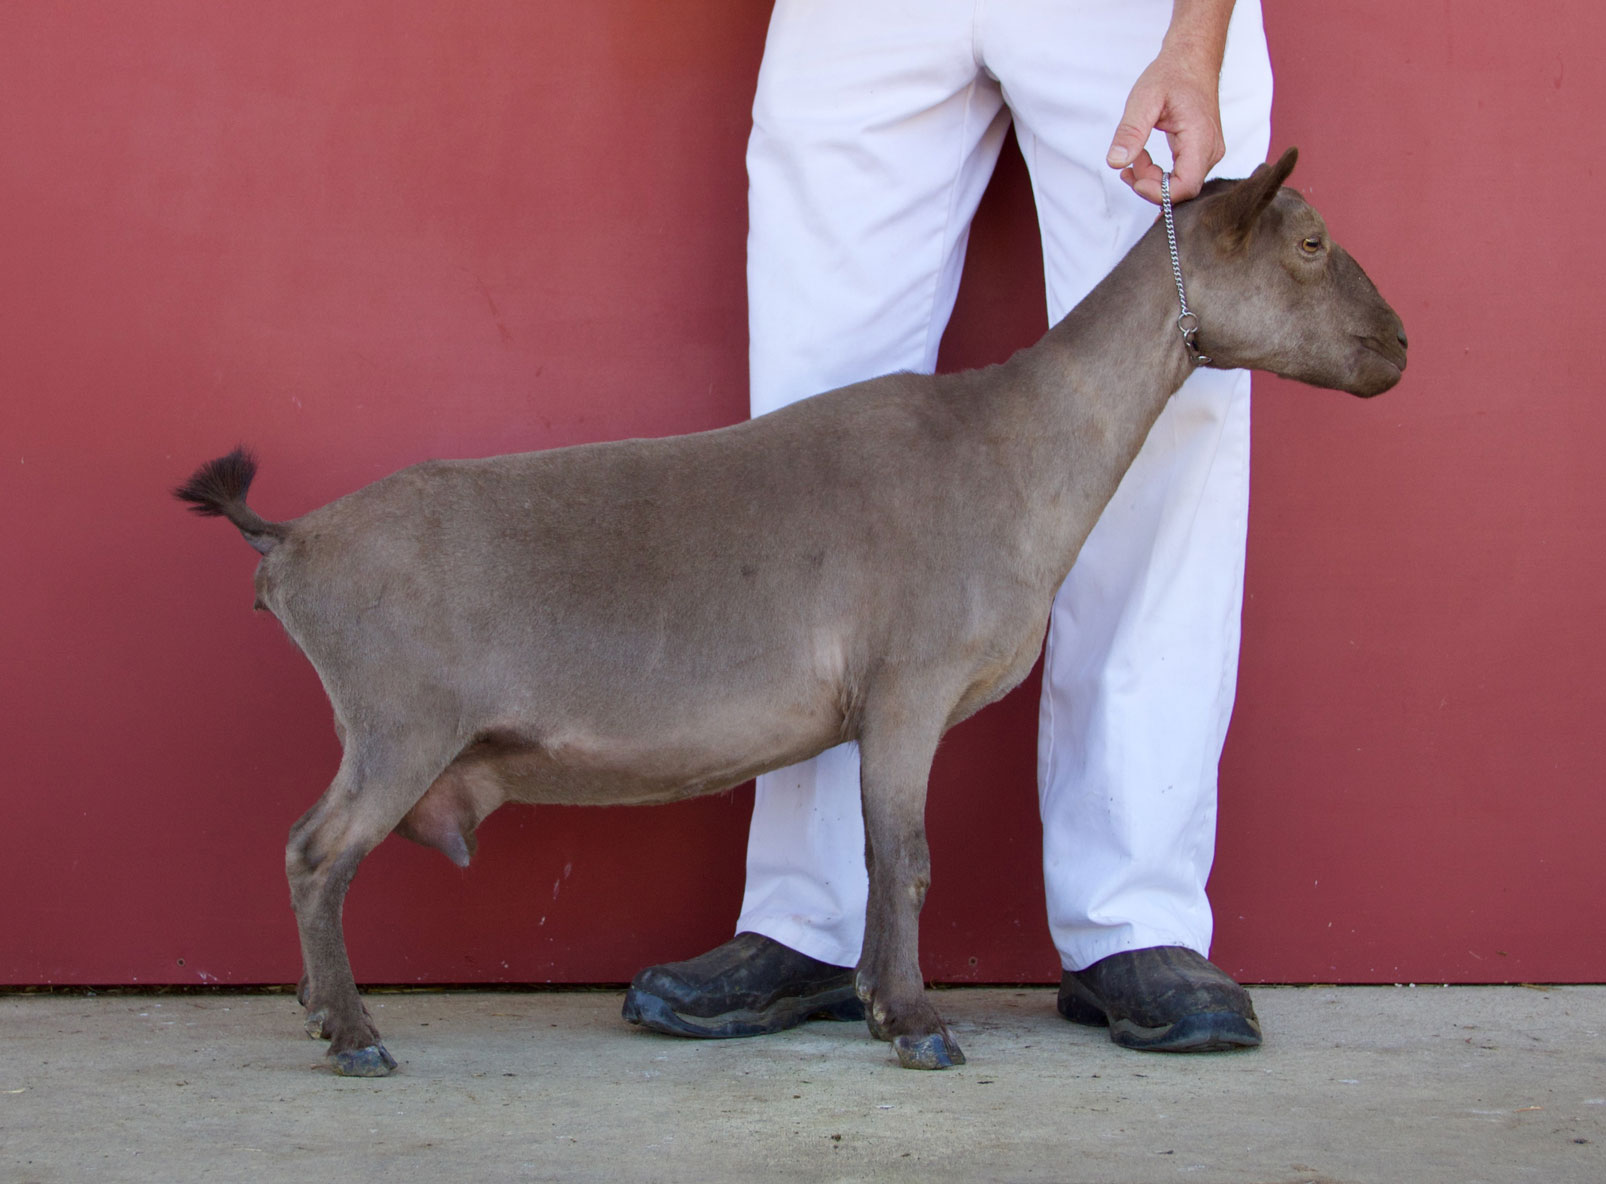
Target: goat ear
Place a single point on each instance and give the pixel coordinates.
(1242, 205)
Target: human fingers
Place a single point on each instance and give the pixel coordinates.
(1143, 176)
(1196, 146)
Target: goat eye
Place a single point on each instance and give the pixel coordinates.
(1312, 245)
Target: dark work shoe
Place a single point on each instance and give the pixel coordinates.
(1165, 999)
(749, 986)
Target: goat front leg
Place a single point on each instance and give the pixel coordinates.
(896, 750)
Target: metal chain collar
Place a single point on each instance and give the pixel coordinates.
(1188, 321)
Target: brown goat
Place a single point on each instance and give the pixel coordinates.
(646, 620)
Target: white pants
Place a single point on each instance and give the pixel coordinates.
(876, 126)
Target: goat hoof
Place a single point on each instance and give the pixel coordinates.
(877, 1029)
(314, 1025)
(937, 1051)
(372, 1061)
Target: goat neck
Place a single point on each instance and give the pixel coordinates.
(1082, 400)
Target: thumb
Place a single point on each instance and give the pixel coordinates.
(1137, 122)
(1129, 141)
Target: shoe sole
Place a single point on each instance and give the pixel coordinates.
(652, 1012)
(1208, 1031)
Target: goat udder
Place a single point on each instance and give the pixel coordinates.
(443, 819)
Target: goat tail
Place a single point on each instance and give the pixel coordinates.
(217, 490)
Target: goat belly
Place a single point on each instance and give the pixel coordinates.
(603, 767)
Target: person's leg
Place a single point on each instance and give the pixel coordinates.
(874, 134)
(1142, 653)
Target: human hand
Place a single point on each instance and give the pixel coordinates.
(1177, 94)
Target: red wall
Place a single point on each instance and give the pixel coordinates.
(357, 235)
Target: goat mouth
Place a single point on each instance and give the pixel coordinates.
(1391, 352)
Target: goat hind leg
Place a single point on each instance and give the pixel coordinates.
(896, 752)
(369, 795)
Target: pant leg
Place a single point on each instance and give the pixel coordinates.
(1141, 664)
(874, 134)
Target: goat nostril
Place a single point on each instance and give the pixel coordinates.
(1400, 336)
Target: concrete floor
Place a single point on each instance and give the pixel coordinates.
(1422, 1084)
